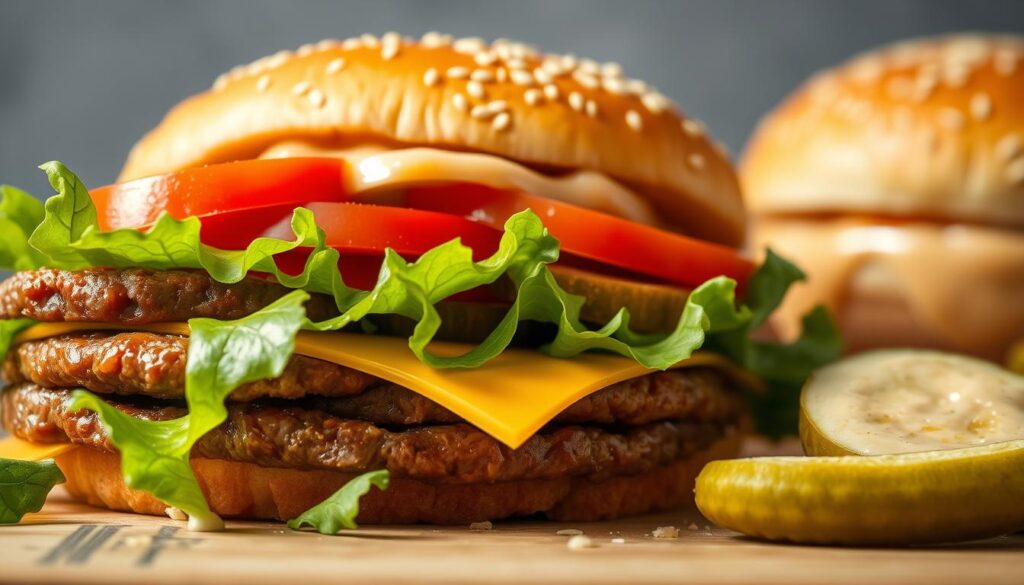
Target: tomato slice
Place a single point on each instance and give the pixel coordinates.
(591, 234)
(202, 191)
(242, 200)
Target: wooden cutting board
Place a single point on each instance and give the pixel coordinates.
(70, 542)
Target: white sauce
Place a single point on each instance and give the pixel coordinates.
(378, 168)
(903, 401)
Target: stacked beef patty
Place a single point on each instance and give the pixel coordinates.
(290, 442)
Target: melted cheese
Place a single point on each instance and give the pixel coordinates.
(510, 398)
(15, 448)
(378, 168)
(963, 284)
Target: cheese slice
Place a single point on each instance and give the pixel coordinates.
(15, 448)
(510, 398)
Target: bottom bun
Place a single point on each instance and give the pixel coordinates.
(244, 490)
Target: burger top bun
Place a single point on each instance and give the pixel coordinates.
(930, 128)
(552, 112)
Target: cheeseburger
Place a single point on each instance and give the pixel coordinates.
(897, 181)
(494, 282)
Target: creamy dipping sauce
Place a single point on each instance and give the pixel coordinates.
(902, 401)
(377, 168)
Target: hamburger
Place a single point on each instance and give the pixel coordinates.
(897, 181)
(496, 282)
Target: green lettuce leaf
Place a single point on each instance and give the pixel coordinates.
(20, 213)
(24, 486)
(340, 510)
(222, 355)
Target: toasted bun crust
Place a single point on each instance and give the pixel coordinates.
(548, 111)
(932, 128)
(245, 490)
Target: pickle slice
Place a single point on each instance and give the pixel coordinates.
(903, 401)
(909, 498)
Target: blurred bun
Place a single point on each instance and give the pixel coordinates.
(930, 128)
(551, 112)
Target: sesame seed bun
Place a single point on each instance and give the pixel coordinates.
(929, 128)
(550, 112)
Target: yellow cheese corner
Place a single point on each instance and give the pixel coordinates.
(509, 398)
(15, 448)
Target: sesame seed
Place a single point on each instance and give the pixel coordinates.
(460, 102)
(305, 50)
(497, 106)
(611, 70)
(696, 161)
(568, 62)
(590, 67)
(431, 77)
(956, 75)
(576, 101)
(481, 526)
(431, 39)
(521, 77)
(618, 541)
(263, 83)
(1008, 147)
(485, 58)
(480, 112)
(1005, 63)
(981, 106)
(692, 127)
(175, 514)
(277, 59)
(1015, 170)
(335, 66)
(482, 75)
(515, 63)
(350, 44)
(501, 74)
(220, 83)
(654, 102)
(533, 96)
(551, 91)
(501, 121)
(951, 118)
(542, 76)
(391, 38)
(636, 86)
(468, 45)
(457, 73)
(328, 44)
(613, 85)
(389, 51)
(579, 542)
(591, 108)
(552, 66)
(634, 121)
(476, 89)
(586, 80)
(301, 88)
(316, 98)
(369, 40)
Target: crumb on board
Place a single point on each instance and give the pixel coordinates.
(578, 542)
(693, 526)
(665, 532)
(480, 526)
(569, 532)
(618, 541)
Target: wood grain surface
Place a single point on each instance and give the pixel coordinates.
(71, 543)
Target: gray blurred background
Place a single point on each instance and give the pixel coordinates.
(81, 81)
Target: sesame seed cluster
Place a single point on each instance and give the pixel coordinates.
(543, 79)
(923, 86)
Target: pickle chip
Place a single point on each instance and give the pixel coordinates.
(910, 498)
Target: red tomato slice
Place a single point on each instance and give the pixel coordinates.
(591, 234)
(248, 184)
(265, 191)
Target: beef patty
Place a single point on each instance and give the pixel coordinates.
(297, 437)
(150, 364)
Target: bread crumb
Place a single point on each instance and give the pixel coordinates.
(618, 541)
(485, 525)
(693, 526)
(665, 532)
(578, 542)
(569, 532)
(175, 513)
